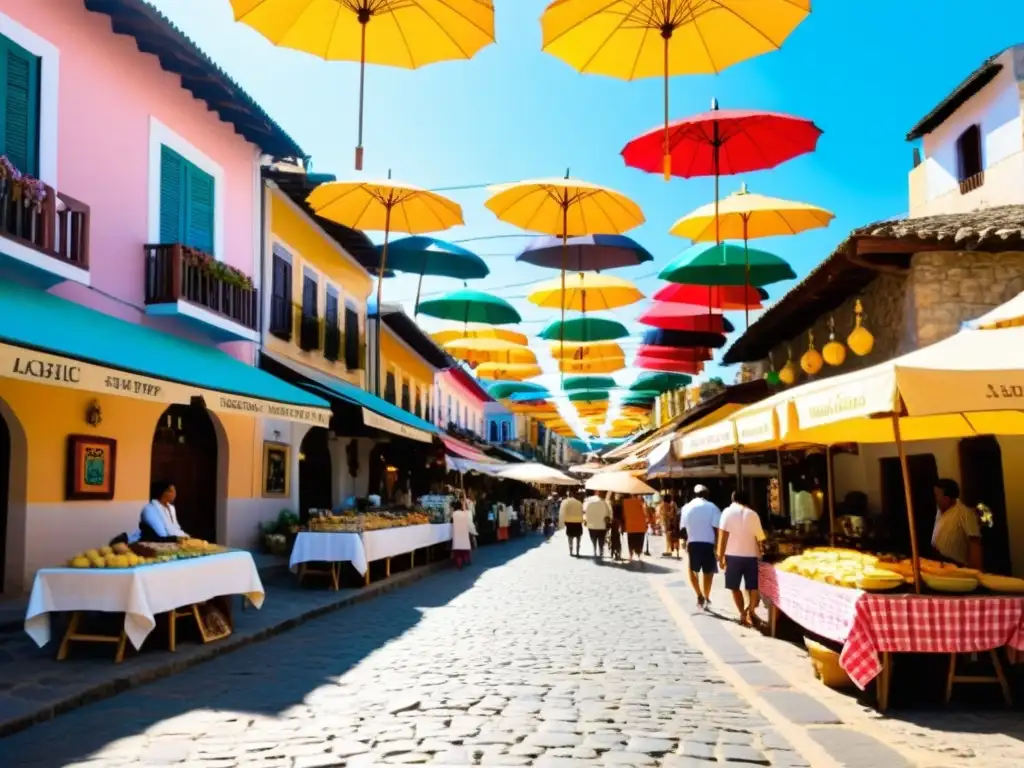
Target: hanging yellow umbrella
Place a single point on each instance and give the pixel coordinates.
(489, 351)
(592, 291)
(397, 33)
(508, 371)
(384, 206)
(589, 351)
(592, 365)
(633, 39)
(473, 331)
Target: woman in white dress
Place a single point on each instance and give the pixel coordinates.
(462, 528)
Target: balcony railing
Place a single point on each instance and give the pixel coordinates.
(57, 227)
(176, 273)
(972, 183)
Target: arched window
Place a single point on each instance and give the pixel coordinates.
(505, 436)
(494, 432)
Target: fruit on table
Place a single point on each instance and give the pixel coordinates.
(121, 555)
(955, 583)
(1001, 583)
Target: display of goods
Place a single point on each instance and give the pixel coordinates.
(957, 584)
(371, 521)
(143, 553)
(843, 567)
(1002, 583)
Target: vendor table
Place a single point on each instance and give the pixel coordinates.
(140, 593)
(874, 626)
(331, 548)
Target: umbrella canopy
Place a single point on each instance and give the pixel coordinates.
(469, 306)
(619, 482)
(489, 351)
(588, 382)
(592, 365)
(588, 396)
(666, 315)
(422, 255)
(682, 354)
(564, 207)
(499, 390)
(536, 473)
(527, 397)
(585, 292)
(513, 371)
(596, 350)
(408, 34)
(725, 297)
(384, 206)
(450, 334)
(659, 338)
(585, 329)
(727, 264)
(585, 253)
(747, 216)
(659, 382)
(667, 365)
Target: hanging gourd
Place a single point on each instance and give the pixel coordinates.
(860, 341)
(834, 352)
(787, 374)
(771, 377)
(811, 360)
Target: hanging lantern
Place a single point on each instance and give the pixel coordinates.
(860, 341)
(787, 374)
(811, 360)
(834, 352)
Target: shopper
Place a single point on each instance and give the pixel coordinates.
(698, 527)
(739, 549)
(668, 513)
(463, 529)
(635, 521)
(598, 515)
(615, 529)
(503, 520)
(570, 514)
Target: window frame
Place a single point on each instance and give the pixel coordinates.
(973, 130)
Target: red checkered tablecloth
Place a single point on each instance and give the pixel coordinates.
(825, 609)
(925, 624)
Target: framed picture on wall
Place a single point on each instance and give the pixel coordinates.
(276, 470)
(91, 467)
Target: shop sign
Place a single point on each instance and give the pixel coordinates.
(865, 397)
(756, 429)
(375, 420)
(709, 439)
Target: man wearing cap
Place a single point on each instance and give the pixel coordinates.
(698, 525)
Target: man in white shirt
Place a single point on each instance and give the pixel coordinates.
(597, 513)
(739, 548)
(698, 526)
(159, 519)
(570, 515)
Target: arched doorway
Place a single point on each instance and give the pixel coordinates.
(5, 488)
(315, 482)
(185, 453)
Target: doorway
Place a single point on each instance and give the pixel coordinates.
(981, 482)
(924, 472)
(315, 481)
(185, 454)
(5, 487)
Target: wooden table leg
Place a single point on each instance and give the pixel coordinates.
(773, 619)
(387, 567)
(336, 576)
(73, 635)
(412, 559)
(366, 577)
(172, 630)
(122, 645)
(884, 681)
(70, 632)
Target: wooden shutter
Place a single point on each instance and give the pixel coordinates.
(198, 208)
(172, 195)
(309, 290)
(19, 132)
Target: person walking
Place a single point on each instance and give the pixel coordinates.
(668, 512)
(598, 515)
(739, 548)
(615, 530)
(503, 519)
(698, 527)
(634, 513)
(463, 529)
(570, 515)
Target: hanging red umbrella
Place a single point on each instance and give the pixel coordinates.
(669, 366)
(728, 297)
(682, 354)
(679, 317)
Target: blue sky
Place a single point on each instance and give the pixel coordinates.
(863, 71)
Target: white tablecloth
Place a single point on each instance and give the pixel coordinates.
(140, 593)
(328, 547)
(390, 542)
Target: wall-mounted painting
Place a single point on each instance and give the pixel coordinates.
(276, 470)
(91, 465)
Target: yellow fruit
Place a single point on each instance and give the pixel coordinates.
(97, 562)
(93, 554)
(121, 549)
(79, 562)
(105, 551)
(956, 584)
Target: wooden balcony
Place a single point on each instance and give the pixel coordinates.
(57, 227)
(176, 273)
(972, 182)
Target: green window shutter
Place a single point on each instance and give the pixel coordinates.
(199, 208)
(172, 195)
(19, 132)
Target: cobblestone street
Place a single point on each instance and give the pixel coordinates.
(526, 658)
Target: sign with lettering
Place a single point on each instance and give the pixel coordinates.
(44, 368)
(708, 439)
(861, 397)
(375, 420)
(757, 428)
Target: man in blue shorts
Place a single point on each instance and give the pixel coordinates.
(698, 526)
(739, 548)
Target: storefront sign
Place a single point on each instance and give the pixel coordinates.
(43, 368)
(375, 420)
(758, 428)
(710, 438)
(864, 397)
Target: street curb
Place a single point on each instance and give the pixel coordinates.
(204, 653)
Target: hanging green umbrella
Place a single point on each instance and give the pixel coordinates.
(588, 382)
(638, 402)
(422, 255)
(466, 306)
(726, 264)
(583, 330)
(500, 390)
(660, 381)
(588, 396)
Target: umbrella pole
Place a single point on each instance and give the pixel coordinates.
(380, 292)
(666, 161)
(746, 276)
(364, 18)
(565, 259)
(915, 557)
(718, 231)
(419, 287)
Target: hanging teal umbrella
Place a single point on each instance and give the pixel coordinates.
(422, 255)
(466, 306)
(588, 396)
(659, 382)
(588, 382)
(582, 330)
(727, 264)
(500, 390)
(638, 402)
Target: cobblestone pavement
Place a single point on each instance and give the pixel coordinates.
(526, 658)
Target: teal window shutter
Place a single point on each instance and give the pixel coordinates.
(172, 196)
(199, 208)
(19, 116)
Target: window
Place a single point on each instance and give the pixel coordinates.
(186, 202)
(309, 328)
(19, 106)
(494, 432)
(448, 420)
(406, 396)
(389, 388)
(353, 341)
(281, 294)
(332, 333)
(505, 432)
(419, 403)
(968, 157)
